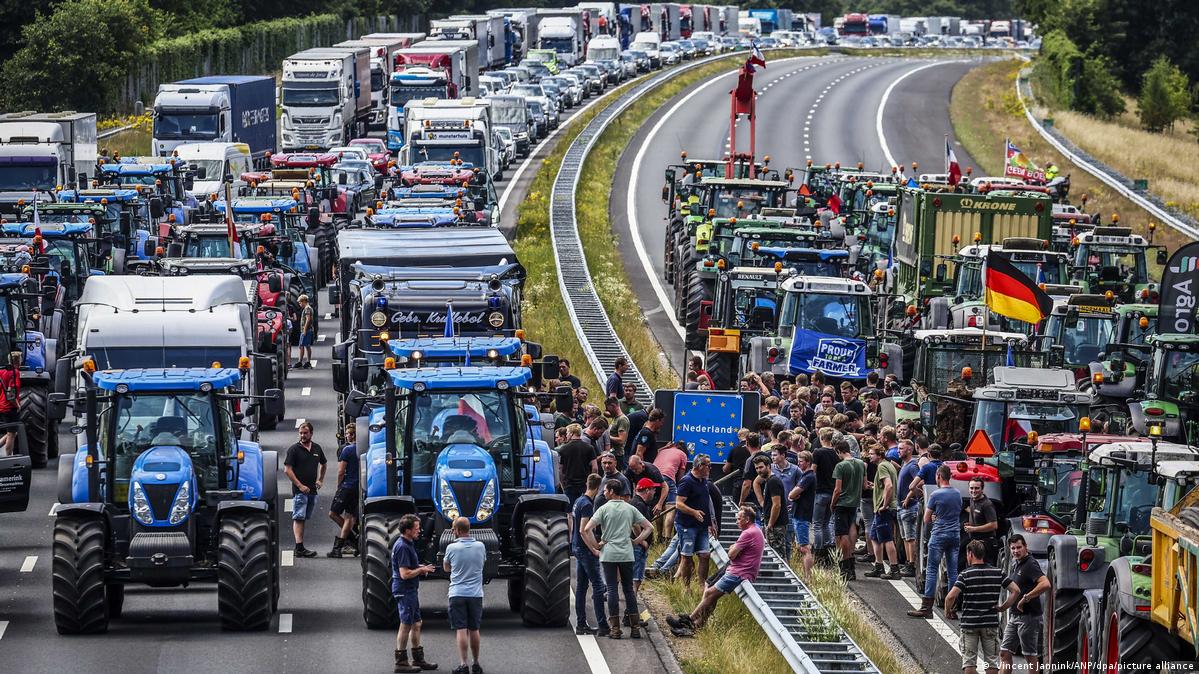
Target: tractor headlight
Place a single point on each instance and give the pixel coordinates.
(182, 505)
(486, 503)
(141, 505)
(449, 504)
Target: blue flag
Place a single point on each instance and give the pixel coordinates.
(912, 183)
(449, 319)
(1011, 358)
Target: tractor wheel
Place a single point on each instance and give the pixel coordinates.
(325, 238)
(115, 599)
(699, 291)
(80, 604)
(1131, 643)
(378, 605)
(668, 258)
(40, 432)
(681, 285)
(264, 376)
(1084, 641)
(516, 588)
(546, 592)
(244, 572)
(1063, 608)
(722, 368)
(293, 310)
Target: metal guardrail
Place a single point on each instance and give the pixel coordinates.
(109, 133)
(796, 623)
(1108, 176)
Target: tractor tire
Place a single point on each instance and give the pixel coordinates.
(325, 238)
(516, 588)
(698, 292)
(115, 599)
(723, 369)
(546, 592)
(40, 432)
(245, 568)
(1085, 646)
(264, 377)
(1190, 516)
(680, 293)
(80, 601)
(293, 311)
(379, 532)
(1131, 643)
(1063, 609)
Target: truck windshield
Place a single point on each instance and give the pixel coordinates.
(471, 154)
(213, 246)
(562, 45)
(401, 93)
(509, 114)
(836, 315)
(1004, 423)
(137, 422)
(22, 178)
(481, 418)
(376, 79)
(309, 97)
(130, 357)
(181, 125)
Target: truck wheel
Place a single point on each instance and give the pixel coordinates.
(378, 604)
(1084, 642)
(1063, 609)
(722, 367)
(244, 567)
(516, 588)
(1131, 643)
(699, 291)
(40, 432)
(546, 591)
(80, 604)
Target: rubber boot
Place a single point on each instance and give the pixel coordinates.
(336, 551)
(402, 666)
(634, 622)
(853, 569)
(876, 572)
(418, 659)
(614, 627)
(925, 611)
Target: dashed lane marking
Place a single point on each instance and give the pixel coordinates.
(306, 391)
(591, 650)
(321, 338)
(3, 628)
(284, 623)
(289, 558)
(313, 361)
(939, 626)
(328, 317)
(30, 562)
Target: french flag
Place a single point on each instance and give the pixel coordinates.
(951, 164)
(757, 58)
(469, 405)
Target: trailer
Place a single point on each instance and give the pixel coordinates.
(42, 151)
(488, 32)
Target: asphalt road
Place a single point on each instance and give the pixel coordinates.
(826, 109)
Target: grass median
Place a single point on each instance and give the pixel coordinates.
(984, 109)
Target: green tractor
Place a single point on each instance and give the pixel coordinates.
(1113, 259)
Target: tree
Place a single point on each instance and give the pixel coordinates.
(1165, 96)
(76, 57)
(1098, 89)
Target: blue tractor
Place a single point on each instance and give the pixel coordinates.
(457, 441)
(21, 295)
(165, 494)
(128, 224)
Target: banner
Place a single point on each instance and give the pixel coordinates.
(834, 356)
(1016, 165)
(1180, 292)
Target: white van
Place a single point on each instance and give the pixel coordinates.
(650, 43)
(212, 161)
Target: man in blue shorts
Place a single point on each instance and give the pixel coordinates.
(693, 503)
(406, 572)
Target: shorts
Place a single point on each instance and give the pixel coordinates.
(803, 533)
(882, 527)
(408, 603)
(345, 501)
(909, 519)
(302, 506)
(844, 517)
(727, 583)
(10, 417)
(693, 541)
(671, 490)
(776, 537)
(307, 338)
(466, 613)
(1023, 635)
(975, 642)
(639, 555)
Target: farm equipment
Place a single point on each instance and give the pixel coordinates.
(1113, 259)
(24, 285)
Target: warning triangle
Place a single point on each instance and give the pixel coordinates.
(803, 189)
(980, 445)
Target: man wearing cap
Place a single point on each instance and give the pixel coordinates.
(642, 499)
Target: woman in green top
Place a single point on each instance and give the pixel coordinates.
(621, 527)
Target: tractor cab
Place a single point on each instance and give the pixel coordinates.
(1171, 395)
(285, 236)
(745, 308)
(168, 178)
(1031, 256)
(1078, 330)
(732, 198)
(1128, 350)
(1113, 259)
(1125, 482)
(129, 219)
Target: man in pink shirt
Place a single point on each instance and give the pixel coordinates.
(745, 559)
(672, 463)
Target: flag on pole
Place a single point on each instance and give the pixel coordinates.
(449, 319)
(951, 164)
(1009, 292)
(1016, 165)
(757, 57)
(834, 204)
(1011, 357)
(230, 225)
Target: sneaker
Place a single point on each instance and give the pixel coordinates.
(476, 669)
(461, 669)
(584, 628)
(302, 551)
(909, 571)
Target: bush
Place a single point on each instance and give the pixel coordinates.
(1165, 96)
(1067, 78)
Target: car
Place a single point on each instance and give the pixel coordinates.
(538, 93)
(556, 93)
(702, 46)
(628, 62)
(491, 85)
(689, 49)
(357, 179)
(571, 89)
(710, 41)
(538, 69)
(350, 152)
(376, 152)
(521, 73)
(670, 53)
(541, 121)
(595, 79)
(507, 77)
(769, 43)
(642, 59)
(508, 142)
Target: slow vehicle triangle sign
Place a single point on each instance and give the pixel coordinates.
(980, 445)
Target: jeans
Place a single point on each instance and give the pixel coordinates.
(587, 570)
(619, 577)
(639, 557)
(822, 521)
(670, 556)
(940, 546)
(866, 508)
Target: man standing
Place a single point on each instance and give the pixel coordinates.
(1023, 631)
(977, 591)
(464, 560)
(344, 509)
(305, 466)
(944, 513)
(909, 505)
(639, 470)
(803, 495)
(848, 477)
(10, 399)
(882, 526)
(578, 461)
(981, 521)
(565, 376)
(307, 333)
(406, 572)
(618, 427)
(629, 402)
(608, 471)
(824, 460)
(774, 511)
(618, 521)
(587, 564)
(692, 524)
(745, 560)
(615, 384)
(645, 444)
(643, 496)
(671, 463)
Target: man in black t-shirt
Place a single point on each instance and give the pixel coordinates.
(774, 508)
(645, 443)
(803, 495)
(824, 459)
(578, 460)
(305, 466)
(565, 376)
(1023, 631)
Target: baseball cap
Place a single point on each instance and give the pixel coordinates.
(646, 483)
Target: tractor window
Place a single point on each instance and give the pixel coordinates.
(1180, 373)
(968, 282)
(1113, 264)
(134, 423)
(756, 309)
(750, 200)
(480, 418)
(12, 319)
(837, 315)
(1082, 342)
(213, 246)
(1134, 500)
(64, 261)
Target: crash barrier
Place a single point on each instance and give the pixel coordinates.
(591, 324)
(1108, 175)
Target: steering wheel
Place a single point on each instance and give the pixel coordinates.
(1138, 517)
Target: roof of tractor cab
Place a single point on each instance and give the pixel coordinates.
(49, 230)
(1143, 453)
(89, 209)
(13, 280)
(1173, 470)
(140, 169)
(454, 347)
(458, 378)
(1173, 339)
(969, 334)
(94, 195)
(787, 253)
(450, 246)
(829, 285)
(167, 379)
(258, 205)
(746, 182)
(1034, 377)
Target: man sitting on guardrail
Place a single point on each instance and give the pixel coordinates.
(745, 560)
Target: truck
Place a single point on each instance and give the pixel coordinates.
(488, 33)
(603, 48)
(405, 39)
(664, 17)
(564, 31)
(456, 130)
(212, 163)
(650, 43)
(320, 99)
(999, 29)
(382, 55)
(42, 151)
(771, 20)
(606, 17)
(360, 92)
(513, 113)
(430, 71)
(884, 24)
(854, 25)
(750, 26)
(216, 108)
(522, 30)
(468, 67)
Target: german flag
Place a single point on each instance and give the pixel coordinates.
(1010, 293)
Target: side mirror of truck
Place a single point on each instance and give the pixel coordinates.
(928, 414)
(156, 208)
(273, 404)
(175, 249)
(942, 270)
(334, 295)
(359, 370)
(1162, 256)
(56, 407)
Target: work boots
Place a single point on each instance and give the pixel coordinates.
(634, 622)
(876, 572)
(614, 627)
(418, 660)
(402, 666)
(895, 573)
(925, 611)
(337, 545)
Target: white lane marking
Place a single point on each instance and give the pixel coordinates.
(288, 504)
(289, 558)
(631, 203)
(307, 391)
(939, 626)
(300, 421)
(313, 361)
(591, 650)
(882, 105)
(321, 338)
(54, 509)
(30, 561)
(3, 628)
(284, 623)
(328, 317)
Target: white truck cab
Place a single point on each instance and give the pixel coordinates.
(212, 162)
